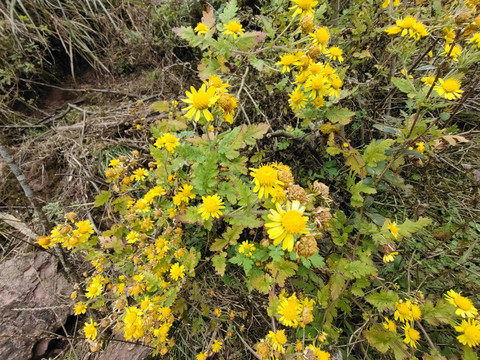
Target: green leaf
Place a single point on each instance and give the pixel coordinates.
(187, 33)
(375, 152)
(160, 106)
(245, 195)
(410, 227)
(357, 189)
(190, 216)
(120, 204)
(379, 339)
(246, 41)
(244, 219)
(317, 260)
(336, 284)
(229, 12)
(230, 236)
(281, 270)
(262, 283)
(404, 85)
(469, 354)
(440, 314)
(254, 132)
(340, 116)
(102, 198)
(276, 252)
(358, 269)
(219, 263)
(204, 175)
(226, 190)
(383, 299)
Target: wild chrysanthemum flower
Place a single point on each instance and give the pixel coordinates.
(278, 339)
(306, 308)
(475, 39)
(184, 195)
(320, 37)
(289, 310)
(287, 224)
(132, 237)
(335, 53)
(420, 147)
(303, 7)
(335, 85)
(227, 103)
(216, 82)
(317, 85)
(449, 88)
(266, 180)
(298, 99)
(286, 61)
(392, 226)
(246, 248)
(408, 26)
(428, 80)
(386, 3)
(390, 325)
(140, 174)
(453, 53)
(177, 271)
(390, 257)
(403, 311)
(90, 330)
(84, 227)
(470, 330)
(211, 206)
(169, 141)
(199, 102)
(319, 354)
(201, 28)
(233, 28)
(201, 356)
(411, 335)
(464, 305)
(416, 312)
(216, 346)
(80, 308)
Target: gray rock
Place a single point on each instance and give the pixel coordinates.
(123, 351)
(32, 301)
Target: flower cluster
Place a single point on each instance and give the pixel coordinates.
(408, 26)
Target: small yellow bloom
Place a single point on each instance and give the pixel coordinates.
(177, 271)
(199, 102)
(298, 99)
(80, 308)
(216, 346)
(464, 305)
(335, 53)
(390, 325)
(286, 61)
(211, 206)
(470, 330)
(201, 28)
(449, 88)
(392, 226)
(303, 7)
(201, 356)
(140, 174)
(411, 335)
(390, 257)
(278, 339)
(90, 330)
(289, 310)
(246, 248)
(475, 39)
(320, 37)
(387, 3)
(233, 28)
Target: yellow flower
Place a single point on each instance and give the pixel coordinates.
(390, 325)
(80, 308)
(114, 163)
(386, 3)
(84, 227)
(90, 330)
(428, 80)
(408, 26)
(320, 37)
(132, 237)
(454, 52)
(201, 28)
(216, 346)
(246, 248)
(475, 39)
(266, 181)
(320, 354)
(336, 84)
(233, 28)
(201, 356)
(286, 61)
(94, 290)
(177, 271)
(390, 257)
(335, 53)
(392, 226)
(449, 88)
(169, 141)
(287, 224)
(317, 85)
(416, 312)
(411, 335)
(403, 311)
(211, 206)
(199, 102)
(393, 30)
(140, 174)
(464, 305)
(420, 147)
(306, 308)
(278, 339)
(227, 103)
(297, 99)
(303, 7)
(471, 332)
(289, 310)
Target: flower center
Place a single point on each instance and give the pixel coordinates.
(413, 334)
(471, 332)
(201, 100)
(234, 27)
(336, 83)
(210, 205)
(305, 4)
(463, 303)
(408, 22)
(450, 85)
(290, 310)
(317, 83)
(83, 229)
(403, 309)
(266, 175)
(293, 222)
(322, 36)
(296, 98)
(334, 51)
